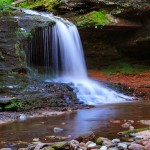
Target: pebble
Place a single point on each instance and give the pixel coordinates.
(36, 140)
(116, 140)
(135, 146)
(132, 134)
(131, 121)
(108, 143)
(126, 125)
(138, 137)
(22, 117)
(103, 148)
(90, 144)
(57, 130)
(74, 144)
(131, 128)
(83, 145)
(122, 146)
(113, 148)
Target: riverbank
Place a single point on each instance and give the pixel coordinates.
(9, 117)
(136, 85)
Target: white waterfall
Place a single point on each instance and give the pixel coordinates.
(68, 64)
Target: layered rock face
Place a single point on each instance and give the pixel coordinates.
(126, 39)
(15, 30)
(103, 46)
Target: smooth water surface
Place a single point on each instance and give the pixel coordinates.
(74, 124)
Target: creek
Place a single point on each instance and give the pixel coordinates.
(98, 120)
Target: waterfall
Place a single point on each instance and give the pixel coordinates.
(59, 48)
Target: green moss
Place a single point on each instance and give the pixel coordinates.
(125, 68)
(93, 18)
(58, 145)
(48, 148)
(99, 141)
(134, 131)
(47, 4)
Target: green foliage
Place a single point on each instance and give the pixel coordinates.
(124, 68)
(5, 4)
(47, 4)
(14, 105)
(95, 17)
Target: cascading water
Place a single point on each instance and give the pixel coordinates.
(62, 51)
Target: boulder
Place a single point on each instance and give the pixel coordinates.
(88, 136)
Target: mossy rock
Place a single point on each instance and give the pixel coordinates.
(133, 131)
(48, 148)
(58, 145)
(48, 5)
(99, 141)
(96, 18)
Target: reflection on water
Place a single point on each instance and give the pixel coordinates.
(74, 124)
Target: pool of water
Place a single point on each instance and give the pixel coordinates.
(96, 119)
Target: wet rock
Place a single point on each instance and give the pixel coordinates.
(74, 145)
(113, 148)
(126, 125)
(132, 134)
(83, 146)
(60, 145)
(103, 148)
(138, 137)
(88, 136)
(59, 137)
(122, 146)
(22, 117)
(115, 121)
(99, 141)
(57, 130)
(147, 146)
(131, 121)
(116, 140)
(108, 143)
(143, 134)
(131, 128)
(36, 140)
(91, 144)
(146, 122)
(135, 146)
